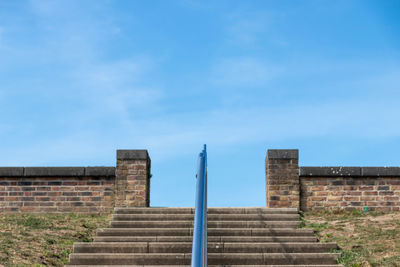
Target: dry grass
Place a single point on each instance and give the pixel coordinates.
(369, 239)
(44, 240)
(366, 239)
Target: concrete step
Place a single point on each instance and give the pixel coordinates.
(212, 247)
(213, 258)
(210, 217)
(211, 224)
(336, 265)
(251, 210)
(246, 232)
(242, 239)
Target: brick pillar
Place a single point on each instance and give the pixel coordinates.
(132, 181)
(282, 178)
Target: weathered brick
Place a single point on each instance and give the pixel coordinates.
(386, 193)
(13, 198)
(28, 188)
(334, 198)
(81, 188)
(73, 198)
(366, 193)
(366, 188)
(54, 183)
(39, 193)
(391, 198)
(69, 193)
(367, 198)
(42, 199)
(69, 183)
(46, 204)
(351, 198)
(44, 188)
(323, 193)
(341, 182)
(318, 198)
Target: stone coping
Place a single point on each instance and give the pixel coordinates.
(350, 171)
(132, 154)
(56, 171)
(283, 153)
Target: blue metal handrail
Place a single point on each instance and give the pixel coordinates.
(199, 249)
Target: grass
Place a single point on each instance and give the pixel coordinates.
(44, 240)
(365, 238)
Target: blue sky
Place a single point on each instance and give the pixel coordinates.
(80, 79)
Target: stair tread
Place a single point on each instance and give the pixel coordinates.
(211, 224)
(335, 265)
(213, 247)
(156, 231)
(230, 265)
(209, 254)
(255, 236)
(211, 243)
(210, 217)
(210, 238)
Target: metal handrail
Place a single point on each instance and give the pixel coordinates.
(199, 248)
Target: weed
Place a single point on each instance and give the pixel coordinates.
(31, 221)
(370, 239)
(44, 240)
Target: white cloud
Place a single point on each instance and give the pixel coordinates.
(225, 127)
(246, 30)
(108, 87)
(254, 28)
(242, 71)
(45, 7)
(169, 136)
(122, 105)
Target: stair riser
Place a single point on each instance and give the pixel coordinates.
(210, 217)
(178, 259)
(212, 248)
(209, 211)
(211, 232)
(181, 259)
(183, 224)
(230, 265)
(210, 239)
(144, 232)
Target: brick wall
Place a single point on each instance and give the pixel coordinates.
(316, 188)
(376, 188)
(51, 190)
(282, 172)
(133, 178)
(77, 189)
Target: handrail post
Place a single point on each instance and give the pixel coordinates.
(199, 248)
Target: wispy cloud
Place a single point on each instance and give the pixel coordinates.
(246, 126)
(245, 29)
(106, 96)
(242, 71)
(115, 85)
(115, 100)
(251, 28)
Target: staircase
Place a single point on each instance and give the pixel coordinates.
(236, 237)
